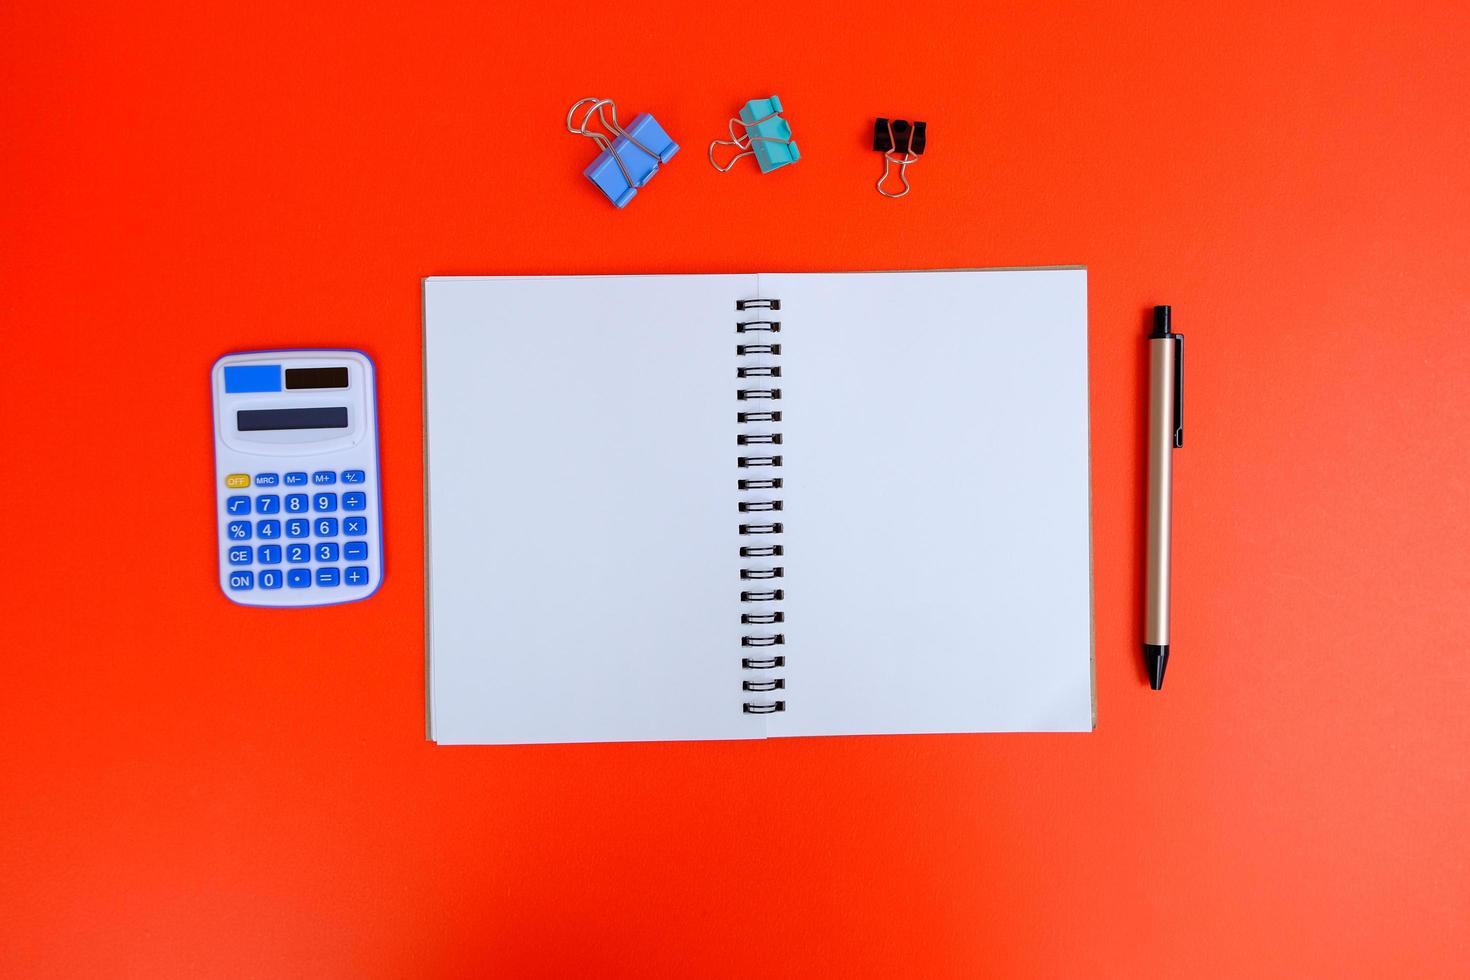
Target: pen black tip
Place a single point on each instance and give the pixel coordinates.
(1156, 659)
(1163, 319)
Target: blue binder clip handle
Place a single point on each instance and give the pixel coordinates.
(630, 157)
(767, 137)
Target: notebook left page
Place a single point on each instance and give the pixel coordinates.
(578, 459)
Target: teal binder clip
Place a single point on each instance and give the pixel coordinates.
(767, 137)
(630, 157)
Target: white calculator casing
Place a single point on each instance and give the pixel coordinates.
(279, 415)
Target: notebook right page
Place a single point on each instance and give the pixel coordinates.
(936, 502)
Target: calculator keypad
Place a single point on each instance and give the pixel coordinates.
(314, 554)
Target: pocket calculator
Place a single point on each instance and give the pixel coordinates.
(296, 475)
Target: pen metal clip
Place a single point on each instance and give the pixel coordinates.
(1178, 340)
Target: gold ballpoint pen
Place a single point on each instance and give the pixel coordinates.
(1165, 434)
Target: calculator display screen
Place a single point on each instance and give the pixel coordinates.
(327, 377)
(271, 419)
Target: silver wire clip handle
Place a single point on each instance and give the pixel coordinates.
(901, 143)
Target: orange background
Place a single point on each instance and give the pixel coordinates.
(193, 788)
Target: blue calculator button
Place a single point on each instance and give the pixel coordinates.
(356, 500)
(238, 531)
(267, 479)
(327, 551)
(242, 581)
(240, 554)
(326, 527)
(297, 503)
(356, 575)
(298, 554)
(270, 578)
(269, 530)
(298, 528)
(354, 527)
(268, 503)
(355, 551)
(328, 576)
(237, 505)
(298, 578)
(295, 479)
(354, 476)
(268, 554)
(326, 503)
(324, 478)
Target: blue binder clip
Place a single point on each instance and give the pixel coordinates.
(767, 137)
(630, 157)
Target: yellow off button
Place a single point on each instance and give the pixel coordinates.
(237, 481)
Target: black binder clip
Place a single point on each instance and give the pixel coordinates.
(901, 143)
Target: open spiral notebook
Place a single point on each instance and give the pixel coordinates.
(744, 506)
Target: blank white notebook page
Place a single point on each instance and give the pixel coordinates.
(580, 453)
(936, 513)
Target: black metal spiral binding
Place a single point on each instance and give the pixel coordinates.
(761, 528)
(773, 617)
(756, 498)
